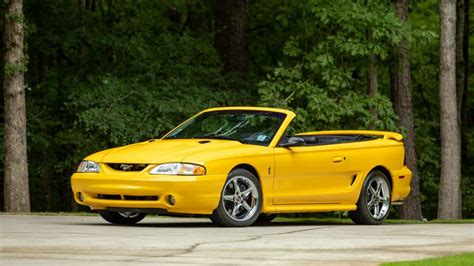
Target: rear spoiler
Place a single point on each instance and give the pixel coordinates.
(383, 134)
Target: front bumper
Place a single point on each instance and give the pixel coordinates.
(192, 194)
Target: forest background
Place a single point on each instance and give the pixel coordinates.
(105, 73)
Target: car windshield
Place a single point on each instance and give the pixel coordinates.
(253, 127)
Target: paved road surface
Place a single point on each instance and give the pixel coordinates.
(88, 240)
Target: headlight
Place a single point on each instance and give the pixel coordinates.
(178, 169)
(88, 167)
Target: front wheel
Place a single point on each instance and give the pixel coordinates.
(124, 218)
(374, 200)
(241, 200)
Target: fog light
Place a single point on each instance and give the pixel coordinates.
(80, 196)
(171, 200)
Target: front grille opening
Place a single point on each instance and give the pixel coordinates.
(109, 197)
(145, 198)
(129, 167)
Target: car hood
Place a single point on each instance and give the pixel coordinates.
(168, 150)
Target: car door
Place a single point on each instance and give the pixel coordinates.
(313, 174)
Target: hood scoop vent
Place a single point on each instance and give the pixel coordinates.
(204, 141)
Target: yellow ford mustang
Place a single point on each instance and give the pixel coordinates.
(238, 165)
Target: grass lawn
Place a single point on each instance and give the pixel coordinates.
(462, 259)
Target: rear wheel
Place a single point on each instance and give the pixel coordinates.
(241, 200)
(374, 200)
(126, 218)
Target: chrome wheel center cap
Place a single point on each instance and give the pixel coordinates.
(237, 198)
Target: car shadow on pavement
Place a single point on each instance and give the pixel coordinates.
(209, 224)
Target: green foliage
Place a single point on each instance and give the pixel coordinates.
(11, 69)
(320, 108)
(181, 78)
(106, 76)
(317, 79)
(15, 16)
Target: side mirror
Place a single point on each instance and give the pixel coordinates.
(293, 142)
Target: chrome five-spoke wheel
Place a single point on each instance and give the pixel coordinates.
(378, 196)
(374, 201)
(241, 200)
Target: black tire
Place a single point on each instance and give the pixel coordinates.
(223, 215)
(372, 209)
(121, 218)
(266, 218)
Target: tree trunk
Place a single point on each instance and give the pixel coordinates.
(449, 199)
(460, 53)
(16, 195)
(462, 68)
(230, 37)
(393, 73)
(373, 82)
(411, 209)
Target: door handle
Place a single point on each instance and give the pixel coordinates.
(338, 159)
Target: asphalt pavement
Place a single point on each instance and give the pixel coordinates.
(88, 240)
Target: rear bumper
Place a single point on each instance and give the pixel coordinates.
(401, 183)
(192, 194)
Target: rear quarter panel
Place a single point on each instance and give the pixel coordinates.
(387, 153)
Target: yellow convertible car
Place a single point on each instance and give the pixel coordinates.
(239, 165)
